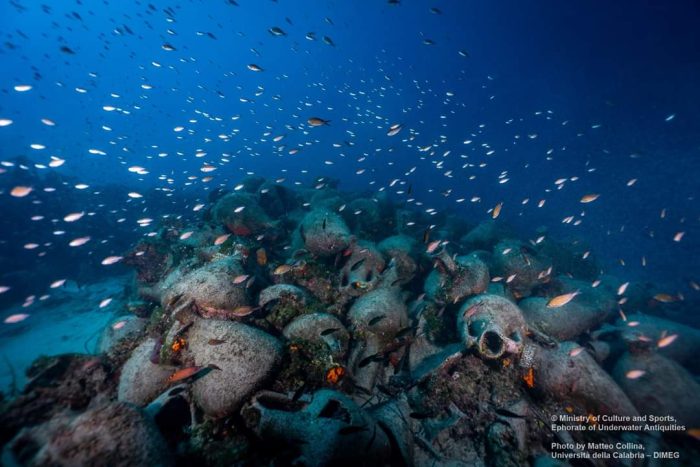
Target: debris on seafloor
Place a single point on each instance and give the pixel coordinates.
(332, 344)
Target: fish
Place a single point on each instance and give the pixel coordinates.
(497, 210)
(329, 331)
(191, 372)
(666, 341)
(394, 130)
(665, 298)
(254, 67)
(261, 256)
(329, 41)
(240, 279)
(244, 310)
(276, 31)
(357, 264)
(348, 430)
(317, 121)
(405, 332)
(376, 320)
(589, 198)
(57, 284)
(282, 269)
(378, 357)
(621, 290)
(21, 191)
(16, 318)
(79, 241)
(473, 309)
(575, 351)
(635, 374)
(563, 299)
(221, 239)
(215, 341)
(433, 246)
(72, 217)
(111, 260)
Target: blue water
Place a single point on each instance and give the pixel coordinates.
(610, 88)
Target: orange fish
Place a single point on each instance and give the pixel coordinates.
(282, 269)
(240, 279)
(261, 256)
(244, 310)
(497, 210)
(20, 191)
(473, 309)
(190, 372)
(561, 300)
(221, 239)
(529, 378)
(433, 246)
(575, 351)
(694, 432)
(589, 198)
(666, 341)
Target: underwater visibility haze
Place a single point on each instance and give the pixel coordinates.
(241, 232)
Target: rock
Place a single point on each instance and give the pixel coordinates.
(492, 324)
(579, 379)
(282, 292)
(141, 381)
(362, 270)
(585, 312)
(375, 320)
(402, 249)
(276, 199)
(209, 289)
(324, 232)
(569, 259)
(120, 330)
(485, 235)
(684, 349)
(520, 266)
(330, 430)
(311, 327)
(252, 220)
(394, 418)
(247, 358)
(665, 388)
(453, 280)
(113, 434)
(55, 384)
